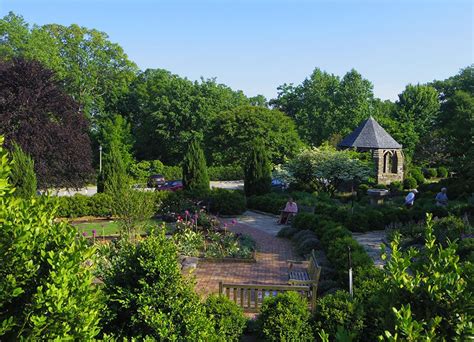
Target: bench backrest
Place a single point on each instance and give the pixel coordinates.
(314, 270)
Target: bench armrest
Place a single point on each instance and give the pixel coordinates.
(292, 262)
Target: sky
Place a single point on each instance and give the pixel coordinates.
(257, 45)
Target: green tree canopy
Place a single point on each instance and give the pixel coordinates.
(324, 104)
(233, 132)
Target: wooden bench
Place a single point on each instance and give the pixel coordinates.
(302, 277)
(250, 296)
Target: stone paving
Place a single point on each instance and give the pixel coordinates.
(270, 266)
(372, 241)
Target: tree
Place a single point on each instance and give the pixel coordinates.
(325, 168)
(23, 177)
(146, 295)
(195, 177)
(95, 72)
(46, 287)
(114, 174)
(258, 171)
(166, 111)
(324, 104)
(457, 125)
(47, 124)
(232, 133)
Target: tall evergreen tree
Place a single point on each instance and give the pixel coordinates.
(195, 177)
(113, 178)
(23, 177)
(258, 176)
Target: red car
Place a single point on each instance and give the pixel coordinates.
(174, 185)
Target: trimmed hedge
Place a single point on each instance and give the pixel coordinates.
(270, 203)
(442, 172)
(228, 317)
(226, 202)
(409, 183)
(225, 173)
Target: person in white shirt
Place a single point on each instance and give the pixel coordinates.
(291, 208)
(410, 199)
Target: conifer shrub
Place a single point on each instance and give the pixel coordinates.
(22, 177)
(285, 317)
(287, 232)
(257, 171)
(228, 318)
(195, 177)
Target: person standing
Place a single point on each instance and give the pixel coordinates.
(291, 208)
(410, 198)
(442, 198)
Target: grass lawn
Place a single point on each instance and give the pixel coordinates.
(105, 227)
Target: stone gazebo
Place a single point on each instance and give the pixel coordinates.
(387, 153)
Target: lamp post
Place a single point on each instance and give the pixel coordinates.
(350, 273)
(100, 158)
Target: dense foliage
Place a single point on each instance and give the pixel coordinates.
(45, 283)
(22, 177)
(147, 296)
(257, 171)
(36, 114)
(228, 317)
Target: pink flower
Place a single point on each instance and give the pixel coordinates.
(179, 218)
(94, 232)
(192, 221)
(225, 225)
(234, 221)
(186, 213)
(84, 233)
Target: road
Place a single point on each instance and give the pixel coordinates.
(91, 190)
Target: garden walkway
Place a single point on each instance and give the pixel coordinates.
(270, 266)
(372, 241)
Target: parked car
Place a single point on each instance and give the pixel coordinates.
(278, 184)
(173, 185)
(154, 181)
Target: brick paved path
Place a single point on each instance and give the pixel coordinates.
(270, 268)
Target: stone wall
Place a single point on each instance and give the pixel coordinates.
(388, 176)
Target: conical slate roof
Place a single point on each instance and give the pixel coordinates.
(369, 135)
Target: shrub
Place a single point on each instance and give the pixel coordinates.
(285, 317)
(270, 203)
(326, 285)
(225, 173)
(146, 295)
(195, 177)
(332, 233)
(305, 247)
(303, 235)
(22, 176)
(466, 249)
(430, 173)
(409, 183)
(287, 232)
(226, 202)
(338, 254)
(228, 318)
(45, 285)
(442, 172)
(362, 190)
(396, 187)
(258, 173)
(100, 205)
(304, 221)
(449, 228)
(417, 174)
(365, 219)
(339, 310)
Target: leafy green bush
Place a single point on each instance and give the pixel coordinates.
(416, 173)
(442, 172)
(285, 318)
(225, 173)
(146, 295)
(396, 187)
(287, 232)
(228, 317)
(409, 183)
(303, 235)
(430, 173)
(449, 228)
(46, 290)
(226, 202)
(304, 221)
(270, 203)
(195, 177)
(305, 247)
(339, 310)
(365, 219)
(333, 233)
(466, 249)
(338, 254)
(362, 190)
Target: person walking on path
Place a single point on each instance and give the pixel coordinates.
(442, 198)
(410, 199)
(291, 208)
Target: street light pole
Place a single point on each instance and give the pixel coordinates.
(100, 158)
(350, 273)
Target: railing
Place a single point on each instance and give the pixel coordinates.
(250, 296)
